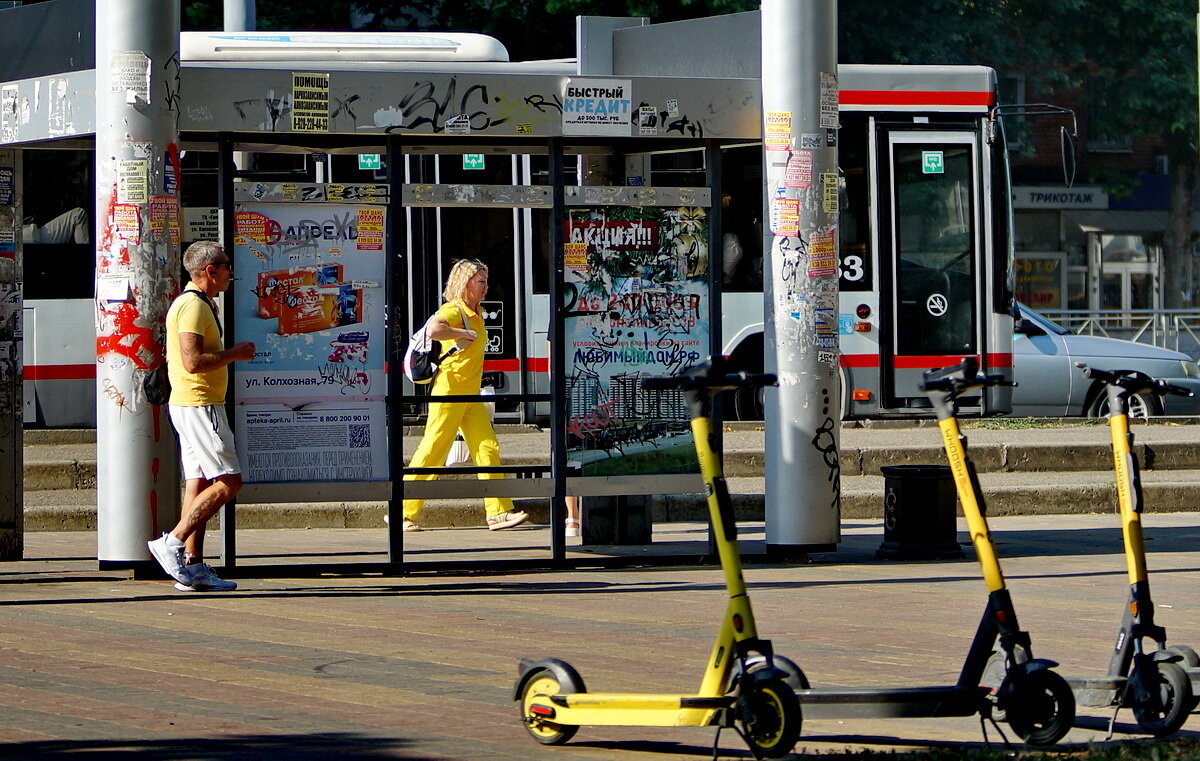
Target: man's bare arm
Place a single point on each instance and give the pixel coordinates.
(196, 360)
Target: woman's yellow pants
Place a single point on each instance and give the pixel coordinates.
(445, 420)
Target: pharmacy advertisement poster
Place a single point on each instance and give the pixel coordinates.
(641, 275)
(309, 292)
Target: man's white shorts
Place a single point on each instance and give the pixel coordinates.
(206, 446)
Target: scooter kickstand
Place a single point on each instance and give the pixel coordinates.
(1112, 721)
(717, 743)
(983, 720)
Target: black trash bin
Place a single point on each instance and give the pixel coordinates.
(919, 513)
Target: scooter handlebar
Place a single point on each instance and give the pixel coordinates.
(1133, 381)
(961, 377)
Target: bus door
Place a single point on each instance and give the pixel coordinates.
(473, 224)
(930, 243)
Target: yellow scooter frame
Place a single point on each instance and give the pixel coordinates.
(742, 686)
(1036, 701)
(1158, 685)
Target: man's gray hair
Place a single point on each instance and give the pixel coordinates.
(201, 254)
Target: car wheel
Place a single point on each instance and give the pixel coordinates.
(1141, 406)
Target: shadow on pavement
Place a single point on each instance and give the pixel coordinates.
(314, 747)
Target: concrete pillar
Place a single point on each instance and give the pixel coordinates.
(137, 271)
(12, 503)
(240, 16)
(803, 420)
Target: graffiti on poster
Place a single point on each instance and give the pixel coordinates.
(640, 276)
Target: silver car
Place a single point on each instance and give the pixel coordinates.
(1049, 384)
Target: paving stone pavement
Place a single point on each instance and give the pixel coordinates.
(363, 666)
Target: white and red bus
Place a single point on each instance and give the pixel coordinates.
(925, 232)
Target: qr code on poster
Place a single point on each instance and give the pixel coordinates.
(360, 436)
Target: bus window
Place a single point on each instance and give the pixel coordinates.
(935, 232)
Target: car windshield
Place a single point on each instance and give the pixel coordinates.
(1043, 322)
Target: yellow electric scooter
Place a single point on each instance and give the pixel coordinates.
(1036, 701)
(743, 686)
(1157, 685)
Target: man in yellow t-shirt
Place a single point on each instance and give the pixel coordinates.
(198, 366)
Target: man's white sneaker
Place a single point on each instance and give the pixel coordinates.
(203, 579)
(170, 558)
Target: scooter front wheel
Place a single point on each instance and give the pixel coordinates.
(544, 682)
(1164, 710)
(770, 717)
(1041, 707)
(1189, 656)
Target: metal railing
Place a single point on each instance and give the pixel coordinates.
(1177, 329)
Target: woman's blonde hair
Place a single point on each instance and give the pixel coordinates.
(462, 271)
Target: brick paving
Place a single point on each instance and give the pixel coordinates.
(421, 667)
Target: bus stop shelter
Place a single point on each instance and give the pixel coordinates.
(631, 287)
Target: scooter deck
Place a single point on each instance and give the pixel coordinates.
(1096, 692)
(891, 702)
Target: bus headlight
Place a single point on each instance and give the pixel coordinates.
(1190, 370)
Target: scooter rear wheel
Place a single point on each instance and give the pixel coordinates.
(770, 716)
(1164, 713)
(1041, 708)
(544, 682)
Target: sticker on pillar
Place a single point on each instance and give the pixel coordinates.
(825, 325)
(8, 244)
(132, 184)
(162, 209)
(370, 230)
(829, 100)
(811, 140)
(779, 131)
(672, 107)
(785, 213)
(8, 114)
(799, 170)
(937, 305)
(829, 192)
(822, 254)
(310, 102)
(7, 183)
(126, 222)
(129, 73)
(525, 128)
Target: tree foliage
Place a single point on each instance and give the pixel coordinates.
(1144, 54)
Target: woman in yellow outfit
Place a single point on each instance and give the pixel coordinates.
(461, 373)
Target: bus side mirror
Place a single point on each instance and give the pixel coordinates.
(1068, 140)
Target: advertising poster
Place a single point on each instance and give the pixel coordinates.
(309, 293)
(597, 107)
(642, 274)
